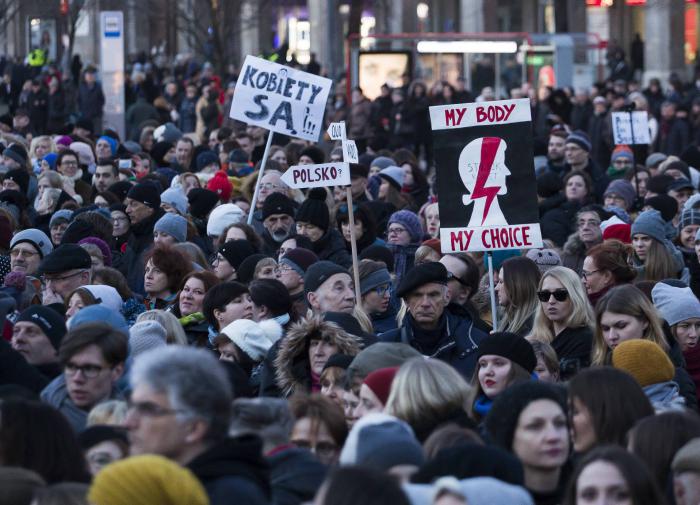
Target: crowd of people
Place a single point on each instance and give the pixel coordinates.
(158, 347)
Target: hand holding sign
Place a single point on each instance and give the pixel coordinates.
(317, 176)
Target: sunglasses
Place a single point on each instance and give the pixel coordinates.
(560, 295)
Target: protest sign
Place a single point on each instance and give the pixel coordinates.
(336, 131)
(631, 128)
(316, 176)
(485, 176)
(280, 99)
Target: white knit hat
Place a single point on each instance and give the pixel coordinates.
(254, 339)
(222, 216)
(106, 295)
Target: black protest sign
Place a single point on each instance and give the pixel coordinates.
(485, 176)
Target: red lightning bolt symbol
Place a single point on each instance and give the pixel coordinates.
(489, 147)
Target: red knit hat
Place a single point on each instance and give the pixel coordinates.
(380, 381)
(434, 244)
(621, 232)
(220, 185)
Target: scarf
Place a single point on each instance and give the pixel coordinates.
(315, 382)
(482, 405)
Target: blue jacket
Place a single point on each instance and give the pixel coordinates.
(457, 344)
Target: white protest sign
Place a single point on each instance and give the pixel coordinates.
(350, 152)
(336, 131)
(280, 98)
(317, 176)
(631, 128)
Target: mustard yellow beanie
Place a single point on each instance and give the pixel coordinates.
(644, 360)
(146, 480)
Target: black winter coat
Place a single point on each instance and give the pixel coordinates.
(456, 342)
(234, 470)
(558, 223)
(573, 347)
(296, 475)
(140, 240)
(331, 247)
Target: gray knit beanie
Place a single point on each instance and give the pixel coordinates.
(650, 223)
(173, 225)
(146, 335)
(675, 304)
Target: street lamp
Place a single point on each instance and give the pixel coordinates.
(422, 10)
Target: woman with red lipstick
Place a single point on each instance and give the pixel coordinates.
(188, 308)
(503, 360)
(529, 420)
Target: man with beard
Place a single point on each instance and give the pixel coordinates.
(278, 222)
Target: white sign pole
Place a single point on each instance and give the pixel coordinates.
(112, 69)
(260, 174)
(492, 291)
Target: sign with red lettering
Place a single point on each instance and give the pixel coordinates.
(316, 176)
(486, 176)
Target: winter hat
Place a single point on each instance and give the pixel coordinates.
(299, 260)
(60, 216)
(84, 152)
(235, 251)
(381, 355)
(50, 322)
(339, 361)
(689, 217)
(222, 216)
(692, 203)
(380, 441)
(380, 382)
(616, 228)
(16, 152)
(650, 223)
(174, 225)
(688, 458)
(383, 162)
(421, 275)
(654, 159)
(97, 434)
(622, 151)
(580, 139)
(619, 213)
(120, 189)
(37, 238)
(320, 272)
(393, 175)
(254, 339)
(206, 158)
(202, 202)
(272, 294)
(104, 295)
(410, 221)
(51, 160)
(77, 231)
(20, 176)
(146, 335)
(358, 170)
(99, 314)
(146, 480)
(65, 257)
(246, 270)
(221, 185)
(158, 152)
(167, 133)
(238, 156)
(644, 360)
(510, 346)
(349, 324)
(502, 419)
(113, 144)
(175, 197)
(680, 184)
(675, 304)
(132, 147)
(277, 203)
(146, 193)
(467, 460)
(659, 184)
(314, 209)
(544, 258)
(102, 246)
(549, 184)
(381, 253)
(377, 278)
(314, 153)
(666, 205)
(622, 188)
(479, 491)
(679, 165)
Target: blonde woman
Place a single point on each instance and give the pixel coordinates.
(517, 295)
(427, 393)
(564, 319)
(40, 147)
(624, 313)
(175, 333)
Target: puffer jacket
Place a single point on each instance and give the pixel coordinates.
(292, 367)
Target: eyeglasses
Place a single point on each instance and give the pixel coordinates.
(381, 290)
(395, 231)
(46, 280)
(590, 222)
(559, 295)
(150, 409)
(585, 274)
(89, 371)
(269, 186)
(65, 163)
(27, 254)
(120, 219)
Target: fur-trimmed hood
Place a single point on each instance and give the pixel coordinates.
(293, 372)
(574, 246)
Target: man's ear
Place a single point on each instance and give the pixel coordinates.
(197, 431)
(117, 372)
(312, 298)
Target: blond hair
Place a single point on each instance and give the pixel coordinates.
(173, 328)
(111, 413)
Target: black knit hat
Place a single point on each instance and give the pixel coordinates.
(16, 152)
(20, 177)
(202, 202)
(358, 170)
(502, 419)
(666, 205)
(246, 270)
(659, 183)
(339, 360)
(97, 434)
(65, 257)
(145, 193)
(50, 322)
(421, 275)
(320, 272)
(511, 346)
(272, 294)
(549, 184)
(120, 189)
(379, 252)
(314, 153)
(314, 209)
(235, 251)
(77, 231)
(277, 203)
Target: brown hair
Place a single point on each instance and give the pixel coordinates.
(172, 262)
(586, 180)
(320, 409)
(113, 277)
(112, 342)
(449, 435)
(614, 257)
